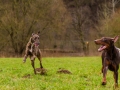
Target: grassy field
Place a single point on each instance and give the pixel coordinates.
(86, 74)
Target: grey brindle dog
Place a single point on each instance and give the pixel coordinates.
(34, 45)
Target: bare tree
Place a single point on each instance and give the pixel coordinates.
(79, 22)
(20, 19)
(114, 3)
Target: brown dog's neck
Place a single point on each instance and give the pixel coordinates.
(111, 52)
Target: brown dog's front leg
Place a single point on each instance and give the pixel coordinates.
(104, 75)
(116, 67)
(116, 78)
(105, 68)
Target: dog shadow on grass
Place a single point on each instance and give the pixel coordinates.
(38, 71)
(44, 72)
(63, 71)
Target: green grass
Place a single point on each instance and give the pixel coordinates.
(86, 74)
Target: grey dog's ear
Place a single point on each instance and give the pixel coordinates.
(30, 40)
(32, 34)
(38, 33)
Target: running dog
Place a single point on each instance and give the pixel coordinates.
(32, 50)
(110, 57)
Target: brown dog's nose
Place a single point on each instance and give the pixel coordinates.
(95, 41)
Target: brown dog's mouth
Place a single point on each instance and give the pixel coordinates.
(103, 47)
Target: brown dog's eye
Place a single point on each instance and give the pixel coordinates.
(104, 39)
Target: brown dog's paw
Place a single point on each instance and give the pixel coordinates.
(103, 83)
(116, 85)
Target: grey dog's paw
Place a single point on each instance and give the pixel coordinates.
(24, 61)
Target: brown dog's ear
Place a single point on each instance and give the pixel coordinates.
(115, 38)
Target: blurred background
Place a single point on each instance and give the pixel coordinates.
(67, 27)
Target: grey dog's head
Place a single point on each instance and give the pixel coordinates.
(35, 38)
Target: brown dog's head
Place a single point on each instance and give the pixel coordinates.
(106, 42)
(35, 39)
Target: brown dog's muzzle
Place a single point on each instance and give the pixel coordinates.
(103, 45)
(98, 42)
(95, 41)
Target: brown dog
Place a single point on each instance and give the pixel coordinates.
(32, 50)
(110, 57)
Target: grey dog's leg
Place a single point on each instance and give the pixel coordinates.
(32, 63)
(39, 56)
